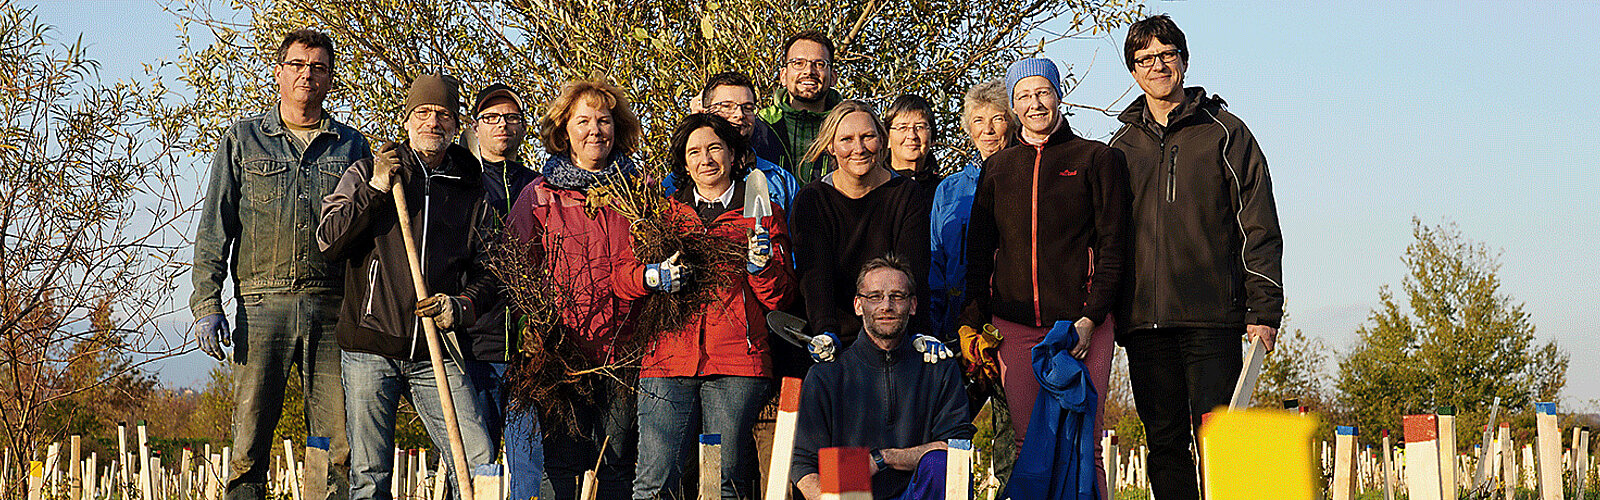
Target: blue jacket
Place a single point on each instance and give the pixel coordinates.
(781, 185)
(262, 206)
(947, 271)
(1057, 458)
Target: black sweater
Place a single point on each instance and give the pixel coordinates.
(834, 235)
(1048, 233)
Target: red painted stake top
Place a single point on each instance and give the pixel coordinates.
(1421, 428)
(844, 470)
(789, 399)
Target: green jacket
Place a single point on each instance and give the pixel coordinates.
(796, 128)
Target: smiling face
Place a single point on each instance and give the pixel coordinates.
(989, 129)
(855, 144)
(307, 78)
(807, 71)
(884, 301)
(910, 135)
(1161, 79)
(501, 138)
(590, 134)
(1034, 101)
(430, 127)
(709, 161)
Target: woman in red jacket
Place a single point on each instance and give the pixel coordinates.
(716, 370)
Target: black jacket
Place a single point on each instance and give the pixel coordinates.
(1206, 248)
(879, 399)
(1048, 233)
(494, 335)
(359, 226)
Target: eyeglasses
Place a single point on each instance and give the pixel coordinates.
(726, 107)
(800, 63)
(318, 69)
(496, 118)
(1166, 56)
(425, 114)
(911, 127)
(878, 298)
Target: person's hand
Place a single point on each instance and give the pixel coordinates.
(978, 347)
(823, 346)
(1267, 334)
(760, 250)
(211, 332)
(445, 310)
(669, 276)
(385, 165)
(1085, 327)
(933, 350)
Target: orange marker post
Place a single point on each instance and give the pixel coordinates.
(783, 440)
(844, 473)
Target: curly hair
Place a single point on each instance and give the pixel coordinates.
(743, 157)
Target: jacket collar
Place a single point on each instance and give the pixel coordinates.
(873, 356)
(271, 123)
(459, 165)
(780, 98)
(1195, 100)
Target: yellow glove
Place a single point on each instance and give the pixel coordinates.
(979, 349)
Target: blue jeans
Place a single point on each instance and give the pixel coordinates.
(272, 334)
(520, 431)
(674, 411)
(373, 386)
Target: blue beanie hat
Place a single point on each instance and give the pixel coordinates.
(1032, 67)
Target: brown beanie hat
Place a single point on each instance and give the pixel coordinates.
(434, 89)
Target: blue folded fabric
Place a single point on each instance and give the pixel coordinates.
(1057, 457)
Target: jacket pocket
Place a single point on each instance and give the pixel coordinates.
(328, 174)
(264, 180)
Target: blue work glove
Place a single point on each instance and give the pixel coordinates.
(933, 350)
(823, 346)
(760, 250)
(668, 276)
(211, 332)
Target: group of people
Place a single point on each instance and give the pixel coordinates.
(917, 290)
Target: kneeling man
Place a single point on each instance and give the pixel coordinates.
(882, 396)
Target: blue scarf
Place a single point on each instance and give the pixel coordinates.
(560, 172)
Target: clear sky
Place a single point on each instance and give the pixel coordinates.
(1481, 113)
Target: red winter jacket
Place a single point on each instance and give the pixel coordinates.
(595, 264)
(730, 336)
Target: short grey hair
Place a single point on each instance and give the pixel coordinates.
(988, 93)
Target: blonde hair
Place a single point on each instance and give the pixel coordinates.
(600, 95)
(830, 126)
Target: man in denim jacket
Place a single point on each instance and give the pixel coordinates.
(259, 221)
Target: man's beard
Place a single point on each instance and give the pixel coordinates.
(430, 144)
(872, 329)
(809, 100)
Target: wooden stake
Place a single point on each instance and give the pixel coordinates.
(52, 466)
(213, 475)
(1422, 457)
(1583, 462)
(1508, 462)
(1344, 463)
(1388, 467)
(447, 405)
(291, 480)
(843, 474)
(183, 471)
(35, 479)
(1448, 485)
(1109, 454)
(91, 476)
(1246, 387)
(591, 482)
(783, 440)
(958, 469)
(125, 473)
(144, 464)
(314, 471)
(710, 466)
(397, 477)
(489, 485)
(1549, 463)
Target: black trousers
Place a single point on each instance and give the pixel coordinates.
(613, 414)
(1179, 374)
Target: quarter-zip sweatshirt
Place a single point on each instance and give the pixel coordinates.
(1047, 238)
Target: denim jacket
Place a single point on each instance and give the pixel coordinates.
(260, 215)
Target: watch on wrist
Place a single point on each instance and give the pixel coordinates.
(877, 459)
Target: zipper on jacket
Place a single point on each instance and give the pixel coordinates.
(1033, 234)
(422, 247)
(372, 284)
(1172, 175)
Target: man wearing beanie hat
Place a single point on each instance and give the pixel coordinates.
(385, 357)
(1206, 251)
(499, 126)
(1048, 234)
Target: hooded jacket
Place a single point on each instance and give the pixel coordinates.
(1048, 233)
(451, 222)
(729, 337)
(490, 336)
(1206, 248)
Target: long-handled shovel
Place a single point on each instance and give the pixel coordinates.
(447, 404)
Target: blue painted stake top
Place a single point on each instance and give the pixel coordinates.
(1346, 430)
(961, 444)
(1545, 408)
(715, 439)
(492, 470)
(317, 442)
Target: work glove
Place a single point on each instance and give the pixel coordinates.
(211, 332)
(823, 346)
(760, 250)
(447, 311)
(669, 276)
(933, 350)
(979, 348)
(385, 164)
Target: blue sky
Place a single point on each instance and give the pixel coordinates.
(1480, 113)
